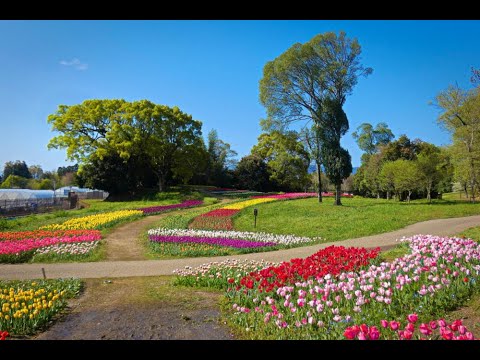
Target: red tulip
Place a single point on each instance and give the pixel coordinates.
(364, 328)
(407, 335)
(410, 327)
(433, 324)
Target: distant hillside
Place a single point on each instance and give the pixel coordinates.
(313, 168)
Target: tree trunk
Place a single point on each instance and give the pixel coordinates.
(338, 189)
(378, 194)
(161, 182)
(408, 197)
(466, 191)
(388, 194)
(429, 196)
(319, 178)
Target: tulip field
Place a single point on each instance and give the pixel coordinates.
(349, 293)
(212, 233)
(74, 239)
(27, 306)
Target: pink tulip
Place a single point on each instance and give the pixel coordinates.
(374, 333)
(394, 325)
(442, 323)
(412, 318)
(424, 329)
(384, 323)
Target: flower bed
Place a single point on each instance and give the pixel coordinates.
(21, 250)
(220, 275)
(159, 209)
(234, 243)
(96, 221)
(253, 236)
(39, 234)
(67, 250)
(329, 261)
(243, 204)
(27, 306)
(394, 330)
(286, 196)
(316, 299)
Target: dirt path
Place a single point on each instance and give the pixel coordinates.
(140, 309)
(113, 269)
(123, 243)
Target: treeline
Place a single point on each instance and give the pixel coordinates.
(18, 175)
(407, 168)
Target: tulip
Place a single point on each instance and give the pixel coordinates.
(394, 325)
(374, 333)
(384, 323)
(412, 318)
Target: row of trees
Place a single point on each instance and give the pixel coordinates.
(401, 167)
(18, 175)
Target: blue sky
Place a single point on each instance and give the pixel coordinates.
(211, 69)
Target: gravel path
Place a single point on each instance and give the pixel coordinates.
(112, 269)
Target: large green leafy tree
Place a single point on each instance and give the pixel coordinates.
(286, 158)
(252, 173)
(460, 115)
(370, 138)
(311, 80)
(220, 160)
(18, 168)
(402, 148)
(163, 139)
(429, 161)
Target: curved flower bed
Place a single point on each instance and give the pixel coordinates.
(245, 235)
(234, 243)
(159, 209)
(39, 234)
(19, 246)
(68, 249)
(93, 221)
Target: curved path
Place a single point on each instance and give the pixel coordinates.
(111, 269)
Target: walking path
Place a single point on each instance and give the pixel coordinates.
(125, 268)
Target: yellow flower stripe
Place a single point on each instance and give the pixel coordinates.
(243, 204)
(26, 305)
(92, 221)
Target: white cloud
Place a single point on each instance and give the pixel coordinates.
(75, 63)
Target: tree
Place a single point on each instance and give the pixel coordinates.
(372, 174)
(18, 168)
(252, 174)
(313, 139)
(286, 158)
(14, 182)
(429, 162)
(369, 139)
(387, 178)
(62, 170)
(35, 171)
(310, 82)
(402, 148)
(406, 176)
(220, 160)
(338, 166)
(162, 138)
(461, 117)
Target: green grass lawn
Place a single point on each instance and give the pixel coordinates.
(33, 222)
(357, 217)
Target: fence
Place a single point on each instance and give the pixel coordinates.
(13, 208)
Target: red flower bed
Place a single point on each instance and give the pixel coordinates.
(212, 223)
(331, 260)
(4, 335)
(221, 212)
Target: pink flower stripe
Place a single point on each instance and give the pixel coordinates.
(286, 196)
(162, 208)
(15, 247)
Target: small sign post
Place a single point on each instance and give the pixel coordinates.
(255, 213)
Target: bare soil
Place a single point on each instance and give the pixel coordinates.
(142, 308)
